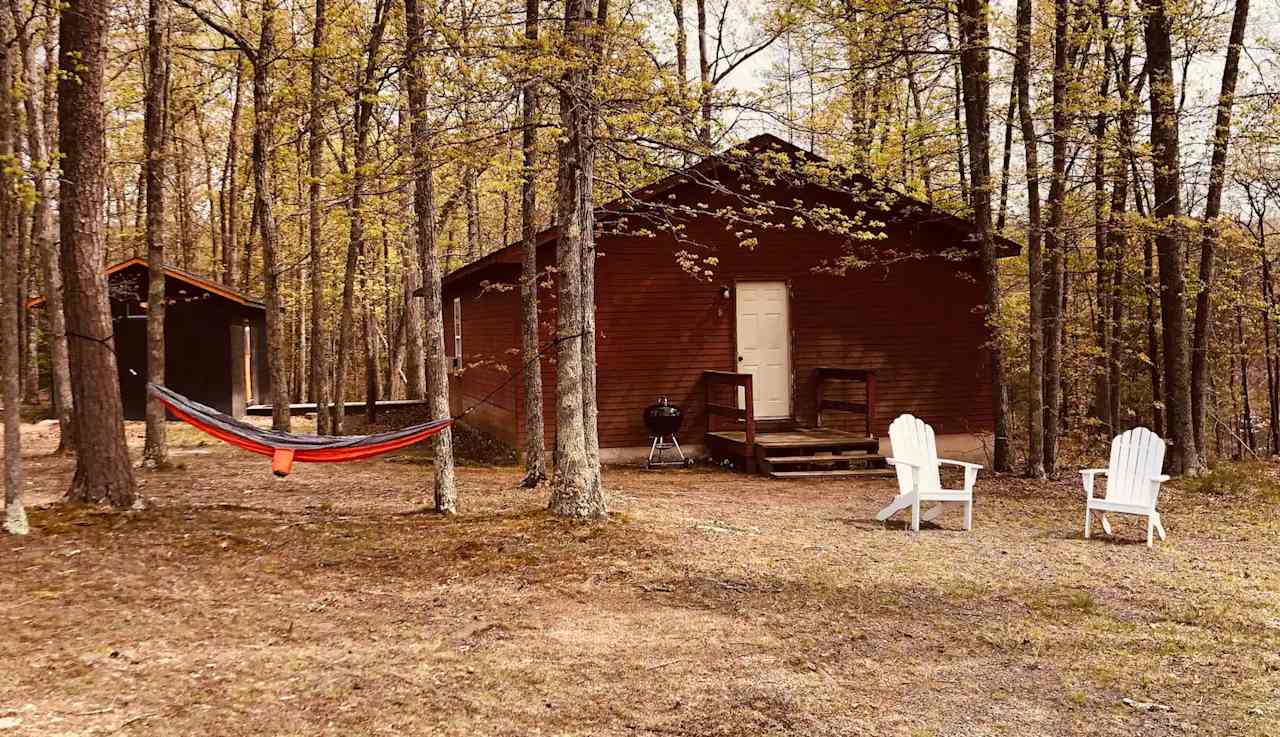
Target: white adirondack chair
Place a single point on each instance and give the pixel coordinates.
(915, 458)
(1133, 481)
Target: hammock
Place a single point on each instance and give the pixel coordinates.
(285, 448)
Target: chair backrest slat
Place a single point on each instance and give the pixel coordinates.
(913, 440)
(1136, 456)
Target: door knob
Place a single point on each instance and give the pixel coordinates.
(740, 358)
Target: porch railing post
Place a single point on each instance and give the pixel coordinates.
(751, 424)
(871, 401)
(817, 397)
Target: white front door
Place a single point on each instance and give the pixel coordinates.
(764, 346)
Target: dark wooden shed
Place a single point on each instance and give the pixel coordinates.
(778, 358)
(215, 339)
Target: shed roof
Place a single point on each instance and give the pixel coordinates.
(172, 272)
(698, 173)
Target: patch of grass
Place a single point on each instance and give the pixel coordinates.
(1083, 601)
(1236, 480)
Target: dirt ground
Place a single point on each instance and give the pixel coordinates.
(710, 604)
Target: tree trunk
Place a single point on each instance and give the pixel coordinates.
(1053, 242)
(361, 115)
(1153, 338)
(1269, 342)
(1212, 209)
(315, 236)
(1250, 439)
(229, 194)
(471, 196)
(15, 516)
(535, 465)
(298, 389)
(415, 376)
(975, 69)
(1101, 238)
(1118, 231)
(187, 212)
(704, 75)
(1035, 258)
(682, 39)
(957, 108)
(255, 226)
(155, 452)
(1149, 291)
(215, 222)
(371, 354)
(390, 317)
(424, 210)
(103, 473)
(42, 237)
(576, 491)
(28, 282)
(1169, 239)
(1005, 160)
(346, 320)
(264, 207)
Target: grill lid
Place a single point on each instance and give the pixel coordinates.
(663, 418)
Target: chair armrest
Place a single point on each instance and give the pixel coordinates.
(1087, 476)
(970, 472)
(1155, 482)
(915, 471)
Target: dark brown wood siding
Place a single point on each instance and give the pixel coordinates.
(915, 320)
(490, 339)
(200, 360)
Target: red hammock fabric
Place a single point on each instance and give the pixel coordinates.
(285, 448)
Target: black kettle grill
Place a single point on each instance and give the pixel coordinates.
(663, 420)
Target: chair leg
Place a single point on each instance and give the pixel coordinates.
(1151, 526)
(1088, 522)
(1159, 527)
(915, 514)
(1106, 524)
(968, 515)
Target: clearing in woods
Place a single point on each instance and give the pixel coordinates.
(711, 604)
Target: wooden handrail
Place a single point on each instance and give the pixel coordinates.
(730, 377)
(746, 414)
(866, 408)
(843, 374)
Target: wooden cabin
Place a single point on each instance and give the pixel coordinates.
(215, 339)
(789, 345)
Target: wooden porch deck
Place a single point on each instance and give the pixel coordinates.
(786, 449)
(801, 452)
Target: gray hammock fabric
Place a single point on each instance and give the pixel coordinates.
(284, 447)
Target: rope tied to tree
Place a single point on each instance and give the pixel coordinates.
(106, 342)
(520, 370)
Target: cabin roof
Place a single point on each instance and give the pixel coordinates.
(763, 143)
(182, 275)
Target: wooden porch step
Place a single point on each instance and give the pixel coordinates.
(833, 473)
(826, 458)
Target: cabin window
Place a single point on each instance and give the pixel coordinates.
(457, 333)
